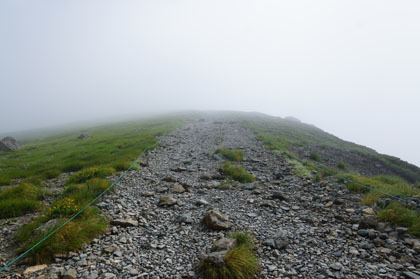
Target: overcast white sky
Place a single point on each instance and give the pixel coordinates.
(351, 68)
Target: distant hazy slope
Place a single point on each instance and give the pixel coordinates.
(302, 139)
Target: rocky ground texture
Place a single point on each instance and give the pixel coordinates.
(302, 229)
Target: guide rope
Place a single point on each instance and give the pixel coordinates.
(75, 215)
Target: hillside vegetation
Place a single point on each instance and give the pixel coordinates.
(307, 141)
(84, 165)
(312, 150)
(113, 146)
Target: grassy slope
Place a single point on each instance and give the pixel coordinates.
(281, 136)
(111, 148)
(110, 145)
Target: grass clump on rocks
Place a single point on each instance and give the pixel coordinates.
(239, 263)
(396, 213)
(243, 239)
(390, 185)
(237, 173)
(341, 165)
(82, 229)
(234, 155)
(300, 170)
(315, 156)
(399, 215)
(89, 173)
(16, 208)
(19, 200)
(226, 185)
(110, 148)
(5, 181)
(71, 237)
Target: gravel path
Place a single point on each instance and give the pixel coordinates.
(319, 222)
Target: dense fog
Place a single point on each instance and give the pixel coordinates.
(351, 68)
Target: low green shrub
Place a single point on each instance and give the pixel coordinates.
(318, 178)
(300, 170)
(289, 155)
(315, 156)
(24, 191)
(225, 185)
(399, 215)
(17, 207)
(384, 183)
(50, 174)
(72, 166)
(121, 166)
(237, 173)
(65, 207)
(89, 173)
(341, 165)
(71, 237)
(84, 193)
(5, 181)
(234, 155)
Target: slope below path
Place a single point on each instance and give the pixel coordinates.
(320, 220)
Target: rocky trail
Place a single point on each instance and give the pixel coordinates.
(302, 229)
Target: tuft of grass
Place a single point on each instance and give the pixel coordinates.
(243, 239)
(5, 181)
(240, 263)
(315, 156)
(17, 207)
(82, 194)
(71, 237)
(318, 178)
(300, 169)
(122, 165)
(399, 215)
(341, 165)
(24, 191)
(51, 174)
(225, 185)
(384, 183)
(234, 155)
(19, 200)
(72, 166)
(89, 173)
(81, 230)
(237, 173)
(289, 155)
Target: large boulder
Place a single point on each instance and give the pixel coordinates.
(224, 243)
(220, 248)
(215, 220)
(125, 223)
(33, 269)
(217, 258)
(48, 226)
(279, 240)
(8, 144)
(369, 222)
(167, 201)
(83, 136)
